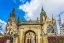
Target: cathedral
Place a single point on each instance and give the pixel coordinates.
(30, 31)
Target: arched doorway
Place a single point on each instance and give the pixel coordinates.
(30, 37)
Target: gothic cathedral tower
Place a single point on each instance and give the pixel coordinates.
(11, 28)
(43, 16)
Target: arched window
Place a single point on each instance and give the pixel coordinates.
(50, 29)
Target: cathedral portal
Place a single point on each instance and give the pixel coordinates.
(32, 31)
(30, 37)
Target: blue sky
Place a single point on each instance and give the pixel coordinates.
(6, 7)
(30, 9)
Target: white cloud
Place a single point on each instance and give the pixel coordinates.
(33, 8)
(3, 24)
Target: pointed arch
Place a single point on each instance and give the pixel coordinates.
(29, 32)
(50, 29)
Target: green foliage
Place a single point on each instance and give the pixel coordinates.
(56, 39)
(59, 41)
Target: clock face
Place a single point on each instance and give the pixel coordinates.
(49, 29)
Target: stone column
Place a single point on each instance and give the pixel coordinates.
(45, 39)
(39, 39)
(36, 39)
(15, 39)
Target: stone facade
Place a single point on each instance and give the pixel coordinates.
(30, 31)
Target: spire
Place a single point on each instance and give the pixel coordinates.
(42, 10)
(18, 19)
(43, 15)
(60, 23)
(53, 17)
(12, 15)
(13, 11)
(59, 18)
(37, 18)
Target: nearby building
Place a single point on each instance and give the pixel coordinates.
(30, 31)
(62, 30)
(59, 27)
